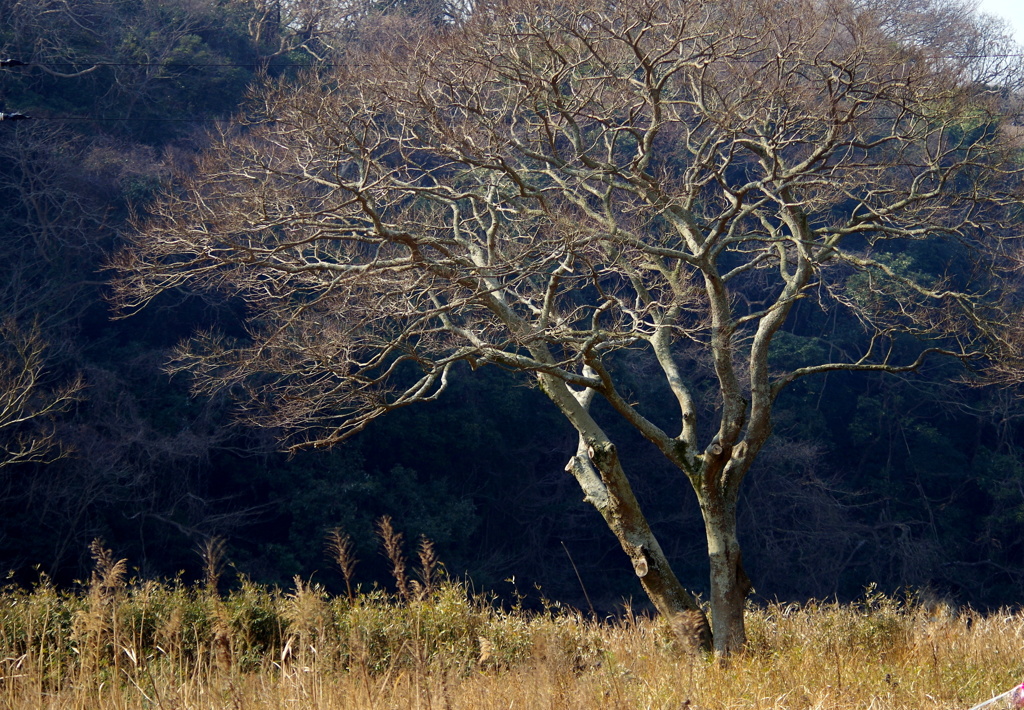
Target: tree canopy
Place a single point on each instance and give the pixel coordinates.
(560, 189)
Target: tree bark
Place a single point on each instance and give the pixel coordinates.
(597, 469)
(729, 582)
(621, 511)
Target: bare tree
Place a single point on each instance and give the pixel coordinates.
(1007, 366)
(49, 226)
(28, 402)
(315, 27)
(555, 188)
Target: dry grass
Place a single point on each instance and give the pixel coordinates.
(126, 645)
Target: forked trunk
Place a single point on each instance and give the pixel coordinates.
(597, 469)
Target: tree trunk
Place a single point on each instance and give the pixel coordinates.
(597, 469)
(615, 500)
(729, 582)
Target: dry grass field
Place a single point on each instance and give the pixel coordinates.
(126, 645)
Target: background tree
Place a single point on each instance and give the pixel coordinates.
(29, 401)
(562, 190)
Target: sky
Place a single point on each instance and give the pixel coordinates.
(1012, 10)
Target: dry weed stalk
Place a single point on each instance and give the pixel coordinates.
(342, 551)
(96, 623)
(428, 565)
(108, 575)
(392, 541)
(212, 551)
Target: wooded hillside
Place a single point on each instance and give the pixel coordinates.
(915, 479)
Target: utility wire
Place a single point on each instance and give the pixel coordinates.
(205, 119)
(176, 65)
(17, 116)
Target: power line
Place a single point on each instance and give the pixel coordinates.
(176, 65)
(109, 119)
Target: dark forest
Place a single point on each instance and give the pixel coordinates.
(912, 480)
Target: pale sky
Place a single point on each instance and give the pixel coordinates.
(1012, 10)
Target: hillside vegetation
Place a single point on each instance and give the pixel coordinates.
(909, 481)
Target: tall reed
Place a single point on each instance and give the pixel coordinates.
(127, 644)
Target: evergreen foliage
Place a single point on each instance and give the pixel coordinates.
(905, 482)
